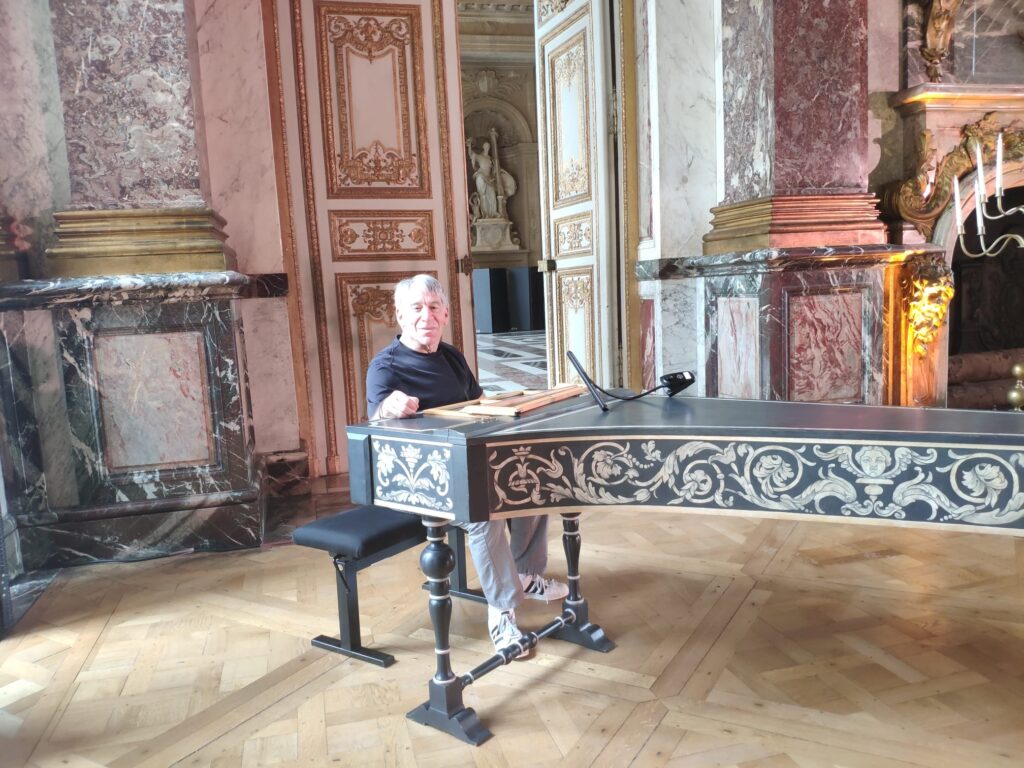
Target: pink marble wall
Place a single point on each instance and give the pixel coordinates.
(34, 181)
(125, 87)
(821, 96)
(748, 93)
(825, 361)
(233, 115)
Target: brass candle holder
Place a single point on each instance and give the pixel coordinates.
(1015, 397)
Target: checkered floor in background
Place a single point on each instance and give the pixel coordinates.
(510, 361)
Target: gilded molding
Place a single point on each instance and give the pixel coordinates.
(296, 328)
(574, 292)
(548, 8)
(137, 240)
(377, 32)
(575, 235)
(569, 72)
(922, 198)
(381, 235)
(323, 349)
(452, 248)
(937, 32)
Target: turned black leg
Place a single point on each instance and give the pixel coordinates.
(444, 708)
(581, 631)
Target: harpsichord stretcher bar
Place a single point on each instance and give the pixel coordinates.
(890, 465)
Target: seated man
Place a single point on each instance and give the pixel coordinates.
(417, 370)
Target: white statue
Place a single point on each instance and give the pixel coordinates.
(491, 229)
(494, 185)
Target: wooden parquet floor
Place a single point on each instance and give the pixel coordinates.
(753, 643)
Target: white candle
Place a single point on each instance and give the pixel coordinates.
(979, 203)
(981, 170)
(999, 165)
(956, 206)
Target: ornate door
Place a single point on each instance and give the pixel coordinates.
(575, 97)
(371, 139)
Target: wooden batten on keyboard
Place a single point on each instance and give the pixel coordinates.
(508, 403)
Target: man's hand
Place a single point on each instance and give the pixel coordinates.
(398, 405)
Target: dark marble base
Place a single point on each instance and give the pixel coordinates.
(140, 537)
(285, 474)
(25, 590)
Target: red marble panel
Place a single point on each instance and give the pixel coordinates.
(825, 360)
(821, 96)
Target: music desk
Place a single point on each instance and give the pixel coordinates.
(897, 466)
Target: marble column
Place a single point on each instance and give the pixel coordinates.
(796, 127)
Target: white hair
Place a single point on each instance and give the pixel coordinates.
(425, 283)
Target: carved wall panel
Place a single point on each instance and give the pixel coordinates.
(372, 55)
(569, 90)
(381, 235)
(825, 360)
(366, 313)
(575, 235)
(574, 297)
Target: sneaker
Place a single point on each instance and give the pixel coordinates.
(538, 588)
(504, 631)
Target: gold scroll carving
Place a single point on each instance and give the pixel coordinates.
(937, 32)
(928, 291)
(922, 198)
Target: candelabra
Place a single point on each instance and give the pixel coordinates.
(981, 212)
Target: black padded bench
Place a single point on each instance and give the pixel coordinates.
(358, 538)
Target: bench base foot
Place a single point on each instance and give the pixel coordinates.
(363, 654)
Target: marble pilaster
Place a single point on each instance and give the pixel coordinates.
(125, 88)
(795, 93)
(748, 94)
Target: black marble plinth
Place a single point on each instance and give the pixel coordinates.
(125, 420)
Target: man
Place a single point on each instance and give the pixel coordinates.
(416, 371)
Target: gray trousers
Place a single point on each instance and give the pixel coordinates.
(499, 562)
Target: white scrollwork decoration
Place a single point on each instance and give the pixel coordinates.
(403, 477)
(862, 481)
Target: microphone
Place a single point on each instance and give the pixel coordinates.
(677, 382)
(587, 380)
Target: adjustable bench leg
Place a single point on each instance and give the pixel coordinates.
(348, 641)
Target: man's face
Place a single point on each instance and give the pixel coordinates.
(422, 317)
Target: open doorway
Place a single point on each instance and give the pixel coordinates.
(499, 107)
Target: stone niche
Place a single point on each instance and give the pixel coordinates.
(126, 430)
